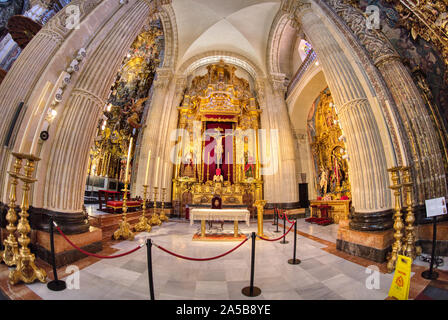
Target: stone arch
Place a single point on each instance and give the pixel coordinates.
(63, 169)
(357, 99)
(168, 19)
(234, 58)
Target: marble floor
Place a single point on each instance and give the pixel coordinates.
(321, 275)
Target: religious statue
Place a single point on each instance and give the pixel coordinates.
(218, 176)
(219, 149)
(188, 169)
(249, 167)
(323, 180)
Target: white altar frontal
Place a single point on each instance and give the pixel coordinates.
(205, 214)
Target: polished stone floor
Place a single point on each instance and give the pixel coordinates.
(321, 275)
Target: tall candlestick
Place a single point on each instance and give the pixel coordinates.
(147, 168)
(156, 182)
(128, 160)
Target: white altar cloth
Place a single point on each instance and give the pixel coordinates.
(219, 214)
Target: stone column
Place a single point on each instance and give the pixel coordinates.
(153, 138)
(68, 159)
(287, 164)
(426, 157)
(27, 69)
(367, 163)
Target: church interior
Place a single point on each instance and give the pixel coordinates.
(188, 149)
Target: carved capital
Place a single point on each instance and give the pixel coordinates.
(181, 84)
(155, 6)
(278, 82)
(374, 41)
(163, 78)
(295, 10)
(59, 26)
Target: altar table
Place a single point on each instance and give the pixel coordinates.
(234, 215)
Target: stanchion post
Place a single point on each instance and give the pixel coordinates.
(150, 277)
(284, 229)
(431, 274)
(56, 284)
(252, 291)
(276, 228)
(275, 213)
(294, 260)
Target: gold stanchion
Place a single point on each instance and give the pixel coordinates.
(155, 220)
(409, 248)
(259, 204)
(124, 229)
(163, 217)
(11, 252)
(26, 269)
(398, 224)
(143, 223)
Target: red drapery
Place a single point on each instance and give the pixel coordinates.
(226, 161)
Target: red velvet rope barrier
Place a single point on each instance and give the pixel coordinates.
(199, 259)
(93, 254)
(279, 238)
(286, 216)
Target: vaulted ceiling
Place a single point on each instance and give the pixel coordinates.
(239, 26)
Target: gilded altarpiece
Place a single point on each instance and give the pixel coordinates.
(217, 149)
(328, 149)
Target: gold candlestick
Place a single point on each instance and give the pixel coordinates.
(259, 204)
(398, 224)
(409, 248)
(155, 220)
(11, 252)
(143, 222)
(124, 229)
(163, 217)
(26, 269)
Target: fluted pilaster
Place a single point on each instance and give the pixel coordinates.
(367, 165)
(286, 176)
(154, 135)
(27, 69)
(67, 169)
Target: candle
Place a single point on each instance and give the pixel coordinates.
(165, 167)
(157, 172)
(228, 165)
(208, 164)
(147, 168)
(128, 161)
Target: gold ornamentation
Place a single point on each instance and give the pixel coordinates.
(259, 204)
(155, 220)
(163, 217)
(427, 19)
(143, 223)
(218, 96)
(124, 229)
(409, 248)
(26, 269)
(10, 254)
(328, 148)
(398, 224)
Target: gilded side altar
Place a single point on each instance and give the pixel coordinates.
(217, 147)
